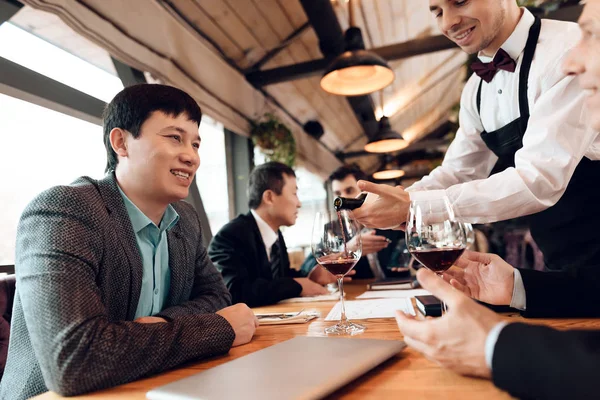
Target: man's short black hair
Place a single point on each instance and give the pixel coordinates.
(267, 176)
(133, 105)
(342, 172)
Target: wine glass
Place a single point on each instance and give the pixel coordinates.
(433, 235)
(337, 247)
(469, 234)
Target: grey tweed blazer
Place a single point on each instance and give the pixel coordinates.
(79, 275)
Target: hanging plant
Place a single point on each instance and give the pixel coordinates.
(274, 138)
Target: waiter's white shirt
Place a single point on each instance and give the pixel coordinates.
(555, 141)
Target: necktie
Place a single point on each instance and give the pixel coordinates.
(275, 260)
(486, 71)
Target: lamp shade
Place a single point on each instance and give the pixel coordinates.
(386, 140)
(389, 174)
(355, 73)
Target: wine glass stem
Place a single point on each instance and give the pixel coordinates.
(340, 279)
(444, 308)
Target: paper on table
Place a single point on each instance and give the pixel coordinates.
(324, 297)
(273, 319)
(375, 308)
(388, 294)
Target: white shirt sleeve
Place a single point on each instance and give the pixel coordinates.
(519, 297)
(556, 141)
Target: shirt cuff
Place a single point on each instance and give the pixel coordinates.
(490, 342)
(519, 298)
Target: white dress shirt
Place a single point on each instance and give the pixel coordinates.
(555, 142)
(269, 236)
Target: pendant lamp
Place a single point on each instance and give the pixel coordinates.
(356, 71)
(386, 139)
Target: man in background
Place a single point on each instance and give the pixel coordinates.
(385, 245)
(250, 251)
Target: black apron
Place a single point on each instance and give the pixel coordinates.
(568, 233)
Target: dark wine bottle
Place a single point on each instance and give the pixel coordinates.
(344, 203)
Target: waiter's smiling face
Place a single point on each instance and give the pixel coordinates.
(474, 25)
(584, 59)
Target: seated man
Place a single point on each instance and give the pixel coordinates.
(113, 282)
(250, 251)
(383, 243)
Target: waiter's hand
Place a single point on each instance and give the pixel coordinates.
(483, 276)
(457, 340)
(323, 277)
(385, 207)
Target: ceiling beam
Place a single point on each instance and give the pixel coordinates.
(321, 16)
(308, 69)
(129, 76)
(392, 52)
(280, 47)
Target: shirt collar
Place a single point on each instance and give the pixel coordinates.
(515, 44)
(139, 220)
(269, 236)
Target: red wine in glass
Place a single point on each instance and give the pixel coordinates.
(340, 266)
(438, 260)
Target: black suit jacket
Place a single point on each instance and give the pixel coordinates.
(569, 294)
(238, 252)
(542, 363)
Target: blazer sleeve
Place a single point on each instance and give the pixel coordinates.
(539, 362)
(229, 252)
(79, 349)
(209, 293)
(562, 294)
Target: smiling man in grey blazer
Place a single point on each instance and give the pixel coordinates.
(113, 282)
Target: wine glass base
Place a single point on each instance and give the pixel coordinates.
(345, 328)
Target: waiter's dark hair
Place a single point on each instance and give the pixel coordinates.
(267, 176)
(133, 105)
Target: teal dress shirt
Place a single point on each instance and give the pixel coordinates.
(154, 250)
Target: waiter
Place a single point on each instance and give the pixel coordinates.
(520, 111)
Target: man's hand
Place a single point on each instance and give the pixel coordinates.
(242, 320)
(150, 320)
(386, 207)
(482, 276)
(457, 340)
(372, 243)
(323, 277)
(310, 288)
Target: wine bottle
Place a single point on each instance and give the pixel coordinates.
(344, 203)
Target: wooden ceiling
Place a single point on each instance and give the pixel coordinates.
(243, 32)
(425, 89)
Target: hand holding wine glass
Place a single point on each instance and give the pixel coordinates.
(337, 247)
(434, 236)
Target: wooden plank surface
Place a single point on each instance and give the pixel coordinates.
(408, 375)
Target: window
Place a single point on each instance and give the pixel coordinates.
(31, 52)
(211, 177)
(40, 148)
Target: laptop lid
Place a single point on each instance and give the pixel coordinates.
(299, 368)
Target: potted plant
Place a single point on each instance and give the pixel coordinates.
(274, 139)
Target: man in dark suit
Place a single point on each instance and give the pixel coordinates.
(250, 251)
(525, 360)
(113, 282)
(382, 243)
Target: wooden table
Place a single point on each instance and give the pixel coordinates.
(406, 376)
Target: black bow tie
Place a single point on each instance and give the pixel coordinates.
(486, 71)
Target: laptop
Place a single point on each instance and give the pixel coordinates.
(299, 368)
